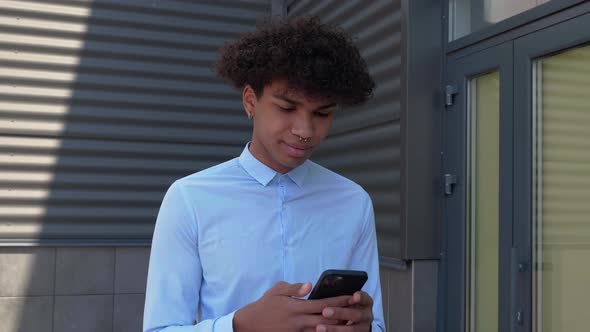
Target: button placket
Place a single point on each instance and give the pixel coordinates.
(282, 197)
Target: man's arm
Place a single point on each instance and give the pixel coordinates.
(175, 273)
(365, 312)
(365, 257)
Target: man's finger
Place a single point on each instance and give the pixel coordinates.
(287, 289)
(338, 328)
(315, 320)
(356, 315)
(316, 306)
(361, 298)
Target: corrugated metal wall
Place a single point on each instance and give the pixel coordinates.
(103, 104)
(364, 144)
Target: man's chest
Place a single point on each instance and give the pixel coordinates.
(290, 241)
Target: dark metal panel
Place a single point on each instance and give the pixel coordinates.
(421, 119)
(364, 144)
(103, 104)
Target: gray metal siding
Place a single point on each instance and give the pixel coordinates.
(364, 144)
(421, 123)
(103, 104)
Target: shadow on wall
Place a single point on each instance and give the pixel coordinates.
(107, 104)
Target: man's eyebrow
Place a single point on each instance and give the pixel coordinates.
(295, 102)
(282, 97)
(327, 106)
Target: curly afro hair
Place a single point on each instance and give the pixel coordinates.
(318, 60)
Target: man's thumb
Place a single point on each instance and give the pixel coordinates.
(287, 289)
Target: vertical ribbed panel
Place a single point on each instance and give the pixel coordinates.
(364, 144)
(103, 104)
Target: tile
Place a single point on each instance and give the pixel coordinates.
(88, 313)
(128, 312)
(26, 271)
(131, 269)
(85, 271)
(400, 300)
(425, 294)
(26, 314)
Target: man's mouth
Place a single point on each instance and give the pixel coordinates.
(297, 150)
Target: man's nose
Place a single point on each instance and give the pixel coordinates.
(303, 126)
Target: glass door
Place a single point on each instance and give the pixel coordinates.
(516, 173)
(553, 182)
(478, 179)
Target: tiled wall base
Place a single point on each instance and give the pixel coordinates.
(102, 289)
(72, 289)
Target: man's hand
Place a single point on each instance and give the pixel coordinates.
(279, 310)
(358, 314)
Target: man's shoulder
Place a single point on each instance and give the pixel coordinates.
(327, 178)
(215, 173)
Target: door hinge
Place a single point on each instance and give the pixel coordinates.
(449, 181)
(519, 318)
(450, 92)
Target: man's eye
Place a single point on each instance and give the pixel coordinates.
(324, 114)
(286, 108)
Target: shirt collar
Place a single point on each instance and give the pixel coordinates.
(297, 174)
(265, 174)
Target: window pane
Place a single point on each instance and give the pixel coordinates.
(484, 142)
(467, 16)
(562, 192)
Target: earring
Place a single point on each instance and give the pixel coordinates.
(250, 116)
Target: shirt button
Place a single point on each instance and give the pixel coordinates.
(286, 248)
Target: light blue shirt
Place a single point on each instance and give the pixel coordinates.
(227, 234)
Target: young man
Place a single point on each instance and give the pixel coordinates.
(239, 244)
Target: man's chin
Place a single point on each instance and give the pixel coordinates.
(291, 162)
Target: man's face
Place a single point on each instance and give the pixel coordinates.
(288, 127)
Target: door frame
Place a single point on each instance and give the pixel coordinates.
(461, 70)
(516, 50)
(527, 49)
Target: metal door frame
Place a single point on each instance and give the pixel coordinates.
(527, 49)
(461, 70)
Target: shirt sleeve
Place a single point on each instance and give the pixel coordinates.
(366, 258)
(175, 273)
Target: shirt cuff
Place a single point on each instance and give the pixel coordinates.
(224, 323)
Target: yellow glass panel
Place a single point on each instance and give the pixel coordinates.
(484, 144)
(562, 187)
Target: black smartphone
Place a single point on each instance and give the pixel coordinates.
(337, 283)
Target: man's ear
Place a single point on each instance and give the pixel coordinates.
(249, 100)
